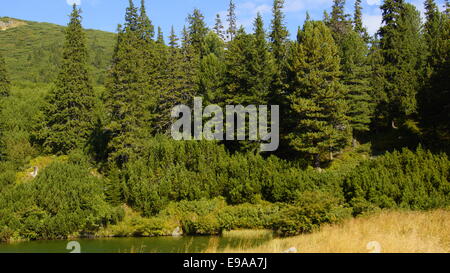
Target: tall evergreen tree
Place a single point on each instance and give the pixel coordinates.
(435, 95)
(173, 39)
(197, 31)
(131, 17)
(402, 49)
(318, 109)
(180, 84)
(160, 39)
(356, 76)
(68, 120)
(219, 28)
(232, 20)
(129, 101)
(212, 68)
(358, 23)
(339, 22)
(249, 68)
(279, 34)
(4, 80)
(145, 24)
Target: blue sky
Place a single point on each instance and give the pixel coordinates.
(106, 14)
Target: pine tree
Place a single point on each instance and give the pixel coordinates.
(339, 23)
(4, 80)
(357, 22)
(160, 39)
(219, 28)
(357, 80)
(356, 76)
(173, 39)
(145, 24)
(129, 101)
(197, 31)
(249, 68)
(279, 34)
(68, 120)
(232, 21)
(434, 97)
(132, 17)
(318, 108)
(211, 68)
(180, 85)
(402, 49)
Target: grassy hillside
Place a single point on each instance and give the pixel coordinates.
(33, 50)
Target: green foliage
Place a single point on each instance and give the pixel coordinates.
(4, 79)
(174, 171)
(129, 99)
(412, 180)
(68, 120)
(64, 200)
(17, 120)
(318, 109)
(434, 98)
(401, 46)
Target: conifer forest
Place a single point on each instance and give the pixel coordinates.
(86, 117)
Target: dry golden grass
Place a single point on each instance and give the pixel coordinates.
(393, 232)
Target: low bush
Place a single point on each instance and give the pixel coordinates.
(64, 200)
(413, 180)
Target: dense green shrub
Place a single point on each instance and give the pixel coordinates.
(412, 180)
(309, 212)
(65, 199)
(188, 170)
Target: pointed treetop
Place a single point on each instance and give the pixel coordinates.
(219, 28)
(357, 21)
(259, 27)
(232, 21)
(173, 39)
(279, 34)
(145, 24)
(131, 17)
(160, 39)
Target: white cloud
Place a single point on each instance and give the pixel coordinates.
(311, 5)
(373, 2)
(71, 2)
(372, 22)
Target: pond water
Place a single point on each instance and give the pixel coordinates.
(133, 245)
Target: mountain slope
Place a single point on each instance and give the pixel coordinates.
(33, 50)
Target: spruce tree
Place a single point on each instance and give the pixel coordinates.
(402, 48)
(219, 28)
(132, 17)
(339, 22)
(129, 100)
(249, 68)
(160, 39)
(180, 85)
(145, 24)
(197, 31)
(279, 34)
(319, 119)
(358, 23)
(212, 68)
(232, 20)
(4, 80)
(173, 39)
(68, 120)
(356, 76)
(435, 95)
(356, 71)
